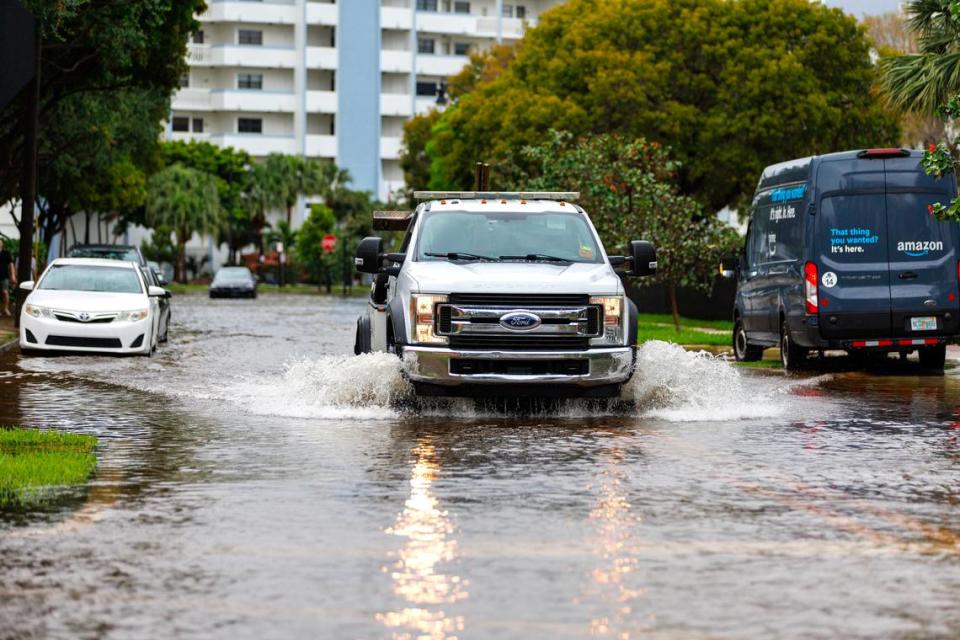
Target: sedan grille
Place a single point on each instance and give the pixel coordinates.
(93, 343)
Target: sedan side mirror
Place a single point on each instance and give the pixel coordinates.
(156, 292)
(26, 285)
(643, 259)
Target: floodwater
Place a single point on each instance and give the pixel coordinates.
(256, 481)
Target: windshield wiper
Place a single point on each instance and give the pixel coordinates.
(460, 255)
(537, 256)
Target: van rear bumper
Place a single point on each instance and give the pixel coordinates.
(810, 337)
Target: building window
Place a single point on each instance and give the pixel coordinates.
(426, 45)
(521, 12)
(250, 36)
(426, 5)
(427, 89)
(461, 48)
(508, 11)
(250, 125)
(198, 37)
(185, 81)
(461, 7)
(198, 125)
(249, 81)
(180, 124)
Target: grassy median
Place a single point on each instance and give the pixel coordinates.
(35, 464)
(693, 333)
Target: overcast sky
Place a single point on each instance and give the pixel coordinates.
(860, 8)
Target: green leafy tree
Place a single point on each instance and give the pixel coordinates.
(229, 168)
(309, 250)
(289, 177)
(96, 48)
(629, 189)
(184, 200)
(928, 83)
(730, 85)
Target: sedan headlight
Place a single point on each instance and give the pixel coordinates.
(422, 310)
(613, 319)
(133, 316)
(37, 311)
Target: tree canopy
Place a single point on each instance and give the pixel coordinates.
(730, 85)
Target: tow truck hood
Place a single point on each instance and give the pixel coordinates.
(514, 277)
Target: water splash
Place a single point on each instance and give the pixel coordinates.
(670, 383)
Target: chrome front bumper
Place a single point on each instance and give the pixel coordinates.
(432, 365)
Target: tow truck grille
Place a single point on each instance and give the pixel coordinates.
(518, 343)
(521, 299)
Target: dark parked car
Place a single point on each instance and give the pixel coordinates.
(163, 326)
(842, 253)
(233, 282)
(108, 252)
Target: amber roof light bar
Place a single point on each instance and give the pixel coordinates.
(563, 196)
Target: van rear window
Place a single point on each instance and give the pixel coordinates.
(853, 228)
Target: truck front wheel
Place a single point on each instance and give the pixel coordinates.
(362, 342)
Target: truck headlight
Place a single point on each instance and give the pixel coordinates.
(37, 311)
(423, 316)
(613, 319)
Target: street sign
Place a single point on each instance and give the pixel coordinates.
(329, 243)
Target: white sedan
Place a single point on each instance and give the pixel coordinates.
(87, 304)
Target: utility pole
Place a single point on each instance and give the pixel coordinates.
(28, 178)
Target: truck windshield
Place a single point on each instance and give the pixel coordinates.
(468, 236)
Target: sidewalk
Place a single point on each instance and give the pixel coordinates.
(8, 334)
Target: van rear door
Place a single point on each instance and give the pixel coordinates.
(923, 253)
(851, 251)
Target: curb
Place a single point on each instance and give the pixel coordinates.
(9, 345)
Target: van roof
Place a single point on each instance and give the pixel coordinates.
(799, 170)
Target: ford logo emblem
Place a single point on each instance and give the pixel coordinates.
(520, 321)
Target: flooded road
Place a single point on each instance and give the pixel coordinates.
(256, 481)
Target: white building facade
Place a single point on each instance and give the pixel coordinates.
(332, 79)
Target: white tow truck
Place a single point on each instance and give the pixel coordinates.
(501, 294)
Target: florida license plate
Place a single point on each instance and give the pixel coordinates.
(923, 324)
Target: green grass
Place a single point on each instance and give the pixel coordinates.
(34, 464)
(299, 289)
(760, 364)
(7, 336)
(686, 337)
(666, 318)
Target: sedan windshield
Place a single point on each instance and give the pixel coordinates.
(89, 278)
(232, 276)
(512, 236)
(105, 253)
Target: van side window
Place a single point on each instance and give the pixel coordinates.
(779, 214)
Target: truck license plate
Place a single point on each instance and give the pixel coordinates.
(923, 324)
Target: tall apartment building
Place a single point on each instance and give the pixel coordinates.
(332, 78)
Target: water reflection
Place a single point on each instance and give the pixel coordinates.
(614, 523)
(429, 544)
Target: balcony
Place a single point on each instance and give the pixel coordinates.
(265, 12)
(256, 144)
(390, 148)
(253, 100)
(395, 61)
(396, 18)
(424, 104)
(204, 55)
(444, 66)
(396, 104)
(460, 24)
(321, 101)
(322, 14)
(322, 57)
(191, 100)
(321, 146)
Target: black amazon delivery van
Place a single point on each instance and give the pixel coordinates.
(842, 253)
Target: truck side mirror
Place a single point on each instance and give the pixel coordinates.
(369, 255)
(643, 259)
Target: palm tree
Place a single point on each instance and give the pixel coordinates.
(289, 177)
(921, 82)
(186, 201)
(257, 199)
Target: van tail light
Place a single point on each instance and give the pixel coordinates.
(810, 287)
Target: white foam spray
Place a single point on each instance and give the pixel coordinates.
(670, 383)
